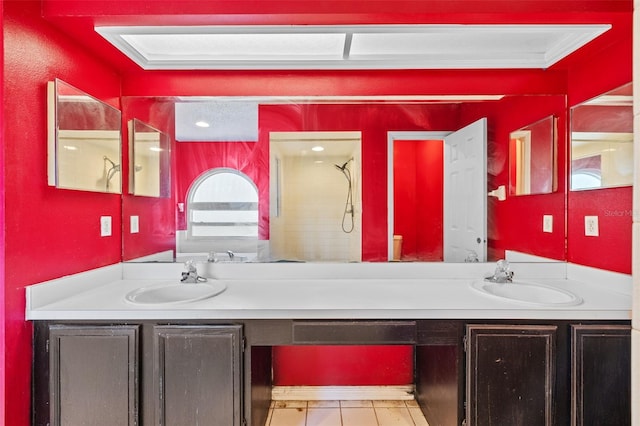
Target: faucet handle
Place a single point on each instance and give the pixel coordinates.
(502, 265)
(504, 269)
(190, 266)
(502, 274)
(191, 276)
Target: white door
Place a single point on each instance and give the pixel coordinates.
(465, 193)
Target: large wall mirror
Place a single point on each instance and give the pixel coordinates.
(532, 158)
(149, 155)
(602, 141)
(84, 141)
(349, 179)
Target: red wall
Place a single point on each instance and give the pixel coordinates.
(48, 232)
(612, 249)
(3, 362)
(342, 365)
(347, 82)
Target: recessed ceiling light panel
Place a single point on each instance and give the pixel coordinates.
(236, 47)
(350, 47)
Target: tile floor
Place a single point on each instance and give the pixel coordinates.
(345, 413)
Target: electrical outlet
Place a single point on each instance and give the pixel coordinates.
(547, 223)
(105, 226)
(591, 226)
(134, 222)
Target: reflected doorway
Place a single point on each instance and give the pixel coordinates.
(415, 196)
(418, 200)
(464, 191)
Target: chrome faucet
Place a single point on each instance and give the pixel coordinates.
(502, 274)
(212, 256)
(191, 276)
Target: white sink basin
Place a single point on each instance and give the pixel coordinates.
(528, 293)
(171, 293)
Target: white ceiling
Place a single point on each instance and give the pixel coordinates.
(349, 47)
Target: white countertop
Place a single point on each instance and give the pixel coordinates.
(365, 291)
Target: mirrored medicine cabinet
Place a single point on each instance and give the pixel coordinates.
(532, 158)
(84, 141)
(149, 155)
(602, 141)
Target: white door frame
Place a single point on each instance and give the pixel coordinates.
(391, 138)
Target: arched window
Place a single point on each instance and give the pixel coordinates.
(223, 204)
(586, 179)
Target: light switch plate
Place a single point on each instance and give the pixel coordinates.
(134, 224)
(591, 226)
(547, 223)
(105, 226)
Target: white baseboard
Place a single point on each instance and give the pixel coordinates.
(342, 393)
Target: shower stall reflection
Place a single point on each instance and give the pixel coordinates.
(315, 216)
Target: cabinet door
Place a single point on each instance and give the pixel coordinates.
(510, 371)
(93, 375)
(197, 375)
(601, 375)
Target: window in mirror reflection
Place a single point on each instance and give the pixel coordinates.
(532, 167)
(223, 206)
(587, 172)
(602, 141)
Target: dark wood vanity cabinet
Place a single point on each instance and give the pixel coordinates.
(126, 375)
(197, 375)
(600, 375)
(92, 375)
(560, 373)
(510, 374)
(467, 372)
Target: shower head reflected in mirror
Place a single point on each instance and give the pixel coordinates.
(112, 170)
(348, 207)
(344, 166)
